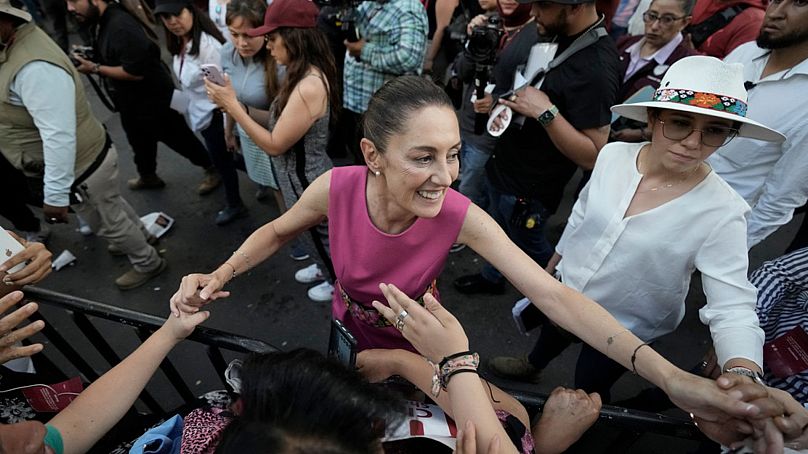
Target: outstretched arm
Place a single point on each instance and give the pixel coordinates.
(199, 289)
(437, 334)
(378, 364)
(101, 405)
(594, 325)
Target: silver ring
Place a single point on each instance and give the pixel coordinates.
(704, 364)
(402, 315)
(400, 324)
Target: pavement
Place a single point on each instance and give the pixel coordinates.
(268, 304)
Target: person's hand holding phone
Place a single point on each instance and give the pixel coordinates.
(224, 96)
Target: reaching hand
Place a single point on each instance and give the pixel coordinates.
(195, 291)
(182, 326)
(39, 264)
(794, 422)
(10, 334)
(377, 364)
(432, 330)
(715, 407)
(567, 414)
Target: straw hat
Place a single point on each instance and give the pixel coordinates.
(707, 86)
(6, 8)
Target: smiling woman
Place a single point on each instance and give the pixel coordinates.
(394, 221)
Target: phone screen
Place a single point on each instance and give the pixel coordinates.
(342, 344)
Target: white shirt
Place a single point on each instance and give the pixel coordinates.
(637, 61)
(187, 68)
(638, 268)
(771, 177)
(48, 93)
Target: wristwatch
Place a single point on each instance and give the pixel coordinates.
(756, 377)
(548, 116)
(96, 68)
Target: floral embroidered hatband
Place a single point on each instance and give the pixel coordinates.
(704, 100)
(371, 316)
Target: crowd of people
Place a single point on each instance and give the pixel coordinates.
(688, 134)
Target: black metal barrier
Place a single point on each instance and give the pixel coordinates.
(81, 310)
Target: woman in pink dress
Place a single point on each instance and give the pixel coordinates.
(394, 220)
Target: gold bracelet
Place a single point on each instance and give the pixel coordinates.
(246, 258)
(234, 269)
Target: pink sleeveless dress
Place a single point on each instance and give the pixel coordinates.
(364, 256)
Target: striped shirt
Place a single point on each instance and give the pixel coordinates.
(782, 305)
(395, 34)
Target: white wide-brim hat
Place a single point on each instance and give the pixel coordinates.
(6, 8)
(706, 86)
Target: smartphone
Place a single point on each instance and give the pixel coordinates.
(9, 247)
(213, 73)
(342, 344)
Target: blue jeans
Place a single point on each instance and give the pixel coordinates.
(523, 222)
(472, 174)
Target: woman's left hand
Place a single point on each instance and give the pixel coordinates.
(222, 95)
(715, 407)
(432, 330)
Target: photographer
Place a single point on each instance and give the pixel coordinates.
(48, 131)
(496, 47)
(566, 124)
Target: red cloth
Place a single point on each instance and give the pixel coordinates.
(742, 29)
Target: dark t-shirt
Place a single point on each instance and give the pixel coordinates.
(122, 42)
(526, 163)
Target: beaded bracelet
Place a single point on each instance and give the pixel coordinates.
(451, 365)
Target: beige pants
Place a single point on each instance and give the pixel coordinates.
(112, 218)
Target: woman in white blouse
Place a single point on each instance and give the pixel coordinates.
(651, 215)
(194, 40)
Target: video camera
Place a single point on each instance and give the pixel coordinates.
(341, 15)
(481, 49)
(85, 52)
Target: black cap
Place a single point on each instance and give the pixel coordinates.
(172, 7)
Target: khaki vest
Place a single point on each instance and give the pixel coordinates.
(20, 141)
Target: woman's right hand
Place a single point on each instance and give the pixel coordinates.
(195, 291)
(432, 330)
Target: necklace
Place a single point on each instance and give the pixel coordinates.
(671, 184)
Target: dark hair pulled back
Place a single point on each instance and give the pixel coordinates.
(301, 401)
(392, 106)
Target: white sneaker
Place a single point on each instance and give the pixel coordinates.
(309, 274)
(322, 292)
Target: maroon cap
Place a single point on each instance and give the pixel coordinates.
(287, 13)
